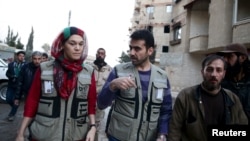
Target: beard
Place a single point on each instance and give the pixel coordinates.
(137, 62)
(232, 71)
(99, 60)
(211, 86)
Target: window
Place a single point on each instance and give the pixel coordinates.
(150, 9)
(176, 1)
(242, 10)
(166, 29)
(177, 32)
(164, 48)
(169, 8)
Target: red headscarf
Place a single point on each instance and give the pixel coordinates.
(64, 71)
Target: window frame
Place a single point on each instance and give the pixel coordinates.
(235, 13)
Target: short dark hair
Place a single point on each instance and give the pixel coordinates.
(45, 55)
(20, 52)
(36, 53)
(144, 34)
(210, 58)
(101, 49)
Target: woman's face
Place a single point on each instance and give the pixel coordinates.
(73, 47)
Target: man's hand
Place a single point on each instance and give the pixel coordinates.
(122, 83)
(161, 138)
(16, 102)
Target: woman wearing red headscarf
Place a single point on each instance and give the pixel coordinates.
(62, 99)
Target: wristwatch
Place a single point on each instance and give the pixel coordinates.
(92, 125)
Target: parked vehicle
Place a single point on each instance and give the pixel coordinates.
(3, 80)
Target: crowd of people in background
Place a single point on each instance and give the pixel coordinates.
(20, 74)
(69, 99)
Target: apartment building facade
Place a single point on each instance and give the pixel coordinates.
(154, 15)
(196, 29)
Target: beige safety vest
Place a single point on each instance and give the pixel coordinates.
(100, 76)
(56, 118)
(131, 118)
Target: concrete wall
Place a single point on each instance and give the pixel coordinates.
(220, 23)
(241, 32)
(199, 20)
(183, 69)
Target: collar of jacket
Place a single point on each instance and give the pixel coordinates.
(227, 99)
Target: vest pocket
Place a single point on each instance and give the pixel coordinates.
(79, 128)
(158, 92)
(82, 88)
(152, 131)
(45, 107)
(155, 112)
(79, 109)
(125, 107)
(120, 127)
(82, 110)
(43, 128)
(130, 93)
(194, 130)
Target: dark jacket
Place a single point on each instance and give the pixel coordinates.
(187, 121)
(242, 90)
(13, 72)
(25, 79)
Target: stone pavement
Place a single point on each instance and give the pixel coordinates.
(8, 130)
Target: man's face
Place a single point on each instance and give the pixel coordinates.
(36, 60)
(44, 58)
(100, 55)
(139, 54)
(20, 57)
(213, 74)
(230, 58)
(233, 62)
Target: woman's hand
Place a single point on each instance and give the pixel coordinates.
(19, 138)
(91, 134)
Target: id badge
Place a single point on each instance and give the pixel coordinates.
(159, 94)
(47, 87)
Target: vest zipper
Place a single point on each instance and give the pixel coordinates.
(64, 119)
(138, 131)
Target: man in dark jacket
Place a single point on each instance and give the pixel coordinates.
(237, 77)
(199, 107)
(12, 74)
(26, 76)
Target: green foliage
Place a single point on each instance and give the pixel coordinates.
(29, 46)
(124, 58)
(11, 39)
(19, 45)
